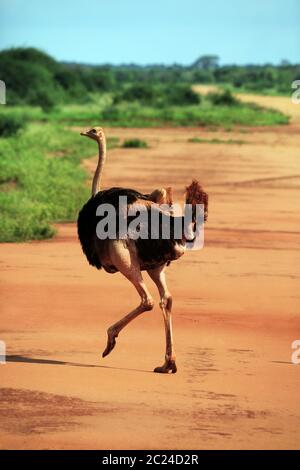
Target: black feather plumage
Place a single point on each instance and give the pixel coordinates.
(151, 252)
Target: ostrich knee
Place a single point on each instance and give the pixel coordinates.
(147, 304)
(166, 302)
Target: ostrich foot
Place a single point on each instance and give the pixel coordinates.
(111, 342)
(169, 367)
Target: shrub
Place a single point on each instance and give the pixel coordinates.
(143, 93)
(181, 95)
(44, 98)
(10, 124)
(111, 113)
(199, 140)
(158, 95)
(135, 143)
(225, 98)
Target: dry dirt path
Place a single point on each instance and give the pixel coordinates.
(236, 313)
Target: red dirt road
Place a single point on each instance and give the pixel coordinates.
(236, 313)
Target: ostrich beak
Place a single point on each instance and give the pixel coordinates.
(84, 133)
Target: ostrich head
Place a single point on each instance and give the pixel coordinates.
(95, 133)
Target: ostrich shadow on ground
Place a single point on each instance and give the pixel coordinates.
(31, 360)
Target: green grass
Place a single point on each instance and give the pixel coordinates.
(41, 181)
(102, 112)
(269, 91)
(199, 140)
(135, 143)
(133, 115)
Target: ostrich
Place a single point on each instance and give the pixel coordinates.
(129, 256)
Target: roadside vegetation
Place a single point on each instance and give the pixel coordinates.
(41, 180)
(135, 143)
(136, 114)
(11, 123)
(200, 140)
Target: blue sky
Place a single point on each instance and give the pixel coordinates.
(154, 31)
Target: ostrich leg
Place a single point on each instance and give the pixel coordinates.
(127, 263)
(114, 330)
(158, 276)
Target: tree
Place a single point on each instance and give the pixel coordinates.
(206, 62)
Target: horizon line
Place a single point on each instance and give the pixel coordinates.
(155, 64)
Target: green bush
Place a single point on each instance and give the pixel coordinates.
(144, 93)
(135, 143)
(44, 98)
(199, 140)
(158, 95)
(112, 113)
(180, 95)
(224, 98)
(10, 124)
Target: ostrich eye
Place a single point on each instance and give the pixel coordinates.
(93, 131)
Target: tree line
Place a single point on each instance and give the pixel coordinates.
(33, 77)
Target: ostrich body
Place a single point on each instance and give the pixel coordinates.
(132, 256)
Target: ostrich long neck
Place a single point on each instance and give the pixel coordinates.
(99, 169)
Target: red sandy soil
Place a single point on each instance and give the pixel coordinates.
(236, 312)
